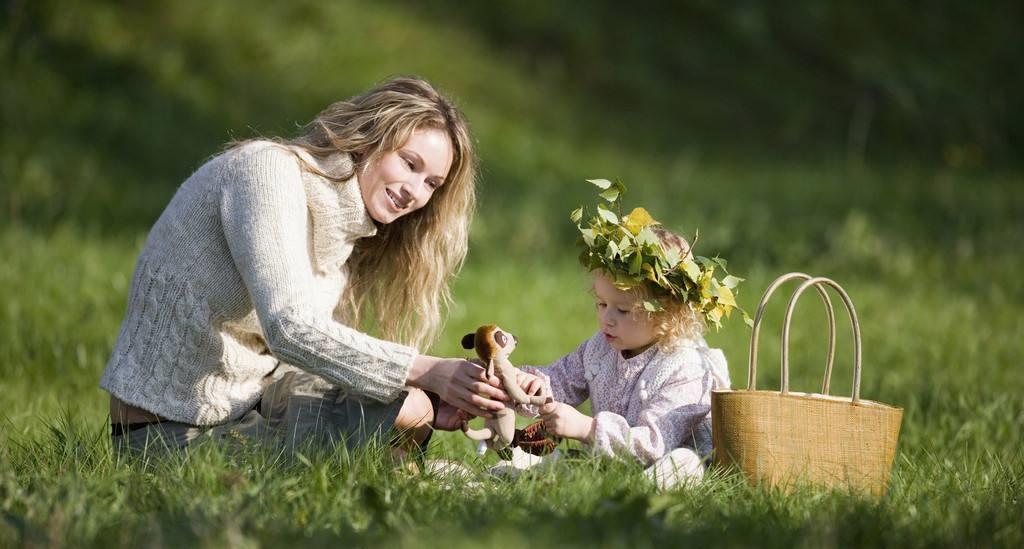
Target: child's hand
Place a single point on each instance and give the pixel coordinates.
(529, 383)
(565, 421)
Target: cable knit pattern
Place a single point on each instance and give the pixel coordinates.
(645, 406)
(243, 270)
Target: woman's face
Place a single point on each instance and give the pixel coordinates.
(402, 181)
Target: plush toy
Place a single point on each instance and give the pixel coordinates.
(493, 345)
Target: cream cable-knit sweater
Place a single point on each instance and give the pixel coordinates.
(242, 271)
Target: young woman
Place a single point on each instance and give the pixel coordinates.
(249, 298)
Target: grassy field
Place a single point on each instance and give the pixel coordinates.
(113, 108)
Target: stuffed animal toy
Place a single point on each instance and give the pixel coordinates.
(493, 345)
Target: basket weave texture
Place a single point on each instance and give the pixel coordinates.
(782, 437)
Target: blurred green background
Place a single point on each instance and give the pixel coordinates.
(880, 145)
(876, 143)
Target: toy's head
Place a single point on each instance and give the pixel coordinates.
(490, 342)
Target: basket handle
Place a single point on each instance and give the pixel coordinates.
(752, 363)
(818, 282)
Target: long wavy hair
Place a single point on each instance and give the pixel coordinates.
(399, 278)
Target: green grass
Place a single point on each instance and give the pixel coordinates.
(949, 358)
(112, 108)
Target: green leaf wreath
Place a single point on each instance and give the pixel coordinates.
(627, 249)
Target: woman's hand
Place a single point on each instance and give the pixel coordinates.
(450, 418)
(529, 383)
(565, 421)
(458, 382)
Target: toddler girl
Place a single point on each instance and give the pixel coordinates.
(647, 371)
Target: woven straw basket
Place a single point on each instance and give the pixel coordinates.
(781, 437)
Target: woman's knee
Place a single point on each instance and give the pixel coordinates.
(417, 411)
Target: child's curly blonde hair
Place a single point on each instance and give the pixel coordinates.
(677, 321)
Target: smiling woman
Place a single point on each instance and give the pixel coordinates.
(403, 181)
(246, 305)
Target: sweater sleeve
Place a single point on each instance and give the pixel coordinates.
(670, 414)
(564, 380)
(265, 218)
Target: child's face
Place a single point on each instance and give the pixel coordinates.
(625, 328)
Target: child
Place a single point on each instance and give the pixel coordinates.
(648, 374)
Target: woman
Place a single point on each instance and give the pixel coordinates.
(247, 299)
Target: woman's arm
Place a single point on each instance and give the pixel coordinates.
(265, 220)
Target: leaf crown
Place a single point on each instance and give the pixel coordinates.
(629, 251)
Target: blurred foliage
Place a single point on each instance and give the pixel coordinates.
(735, 118)
(886, 79)
(106, 106)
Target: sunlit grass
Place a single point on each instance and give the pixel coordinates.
(65, 486)
(956, 479)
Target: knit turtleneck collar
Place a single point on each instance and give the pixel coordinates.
(337, 210)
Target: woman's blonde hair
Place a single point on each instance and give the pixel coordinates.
(398, 279)
(677, 321)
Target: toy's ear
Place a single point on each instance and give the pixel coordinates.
(469, 341)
